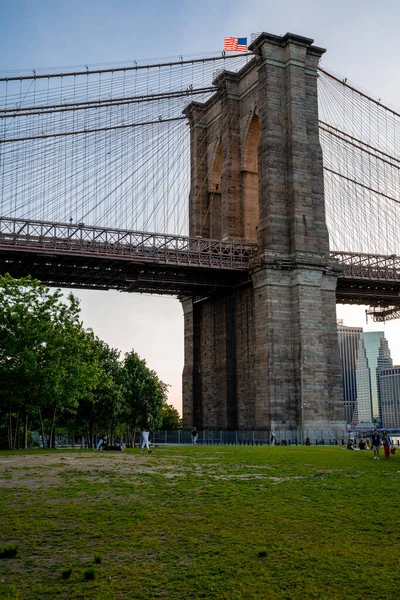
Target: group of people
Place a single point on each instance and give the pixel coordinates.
(103, 443)
(377, 440)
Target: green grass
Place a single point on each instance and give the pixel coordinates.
(213, 522)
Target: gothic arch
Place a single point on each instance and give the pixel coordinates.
(214, 196)
(249, 178)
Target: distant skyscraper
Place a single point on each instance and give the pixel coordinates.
(390, 397)
(349, 338)
(373, 356)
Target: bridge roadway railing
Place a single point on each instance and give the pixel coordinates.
(368, 266)
(45, 237)
(84, 240)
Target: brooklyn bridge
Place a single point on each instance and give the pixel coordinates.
(258, 188)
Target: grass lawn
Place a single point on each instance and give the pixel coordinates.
(205, 522)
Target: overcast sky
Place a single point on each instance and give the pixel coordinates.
(362, 42)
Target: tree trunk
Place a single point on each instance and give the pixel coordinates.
(26, 420)
(16, 436)
(52, 429)
(10, 431)
(42, 429)
(133, 437)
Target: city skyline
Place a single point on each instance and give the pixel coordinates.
(371, 382)
(373, 355)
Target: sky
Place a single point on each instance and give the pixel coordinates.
(361, 38)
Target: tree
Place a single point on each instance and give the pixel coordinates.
(171, 419)
(102, 408)
(144, 394)
(45, 354)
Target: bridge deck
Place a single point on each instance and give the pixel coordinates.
(79, 256)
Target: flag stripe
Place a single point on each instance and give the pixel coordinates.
(235, 44)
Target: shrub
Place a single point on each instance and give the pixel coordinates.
(66, 574)
(9, 551)
(97, 559)
(89, 574)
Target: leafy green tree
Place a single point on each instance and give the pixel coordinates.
(53, 371)
(171, 419)
(46, 357)
(101, 408)
(144, 394)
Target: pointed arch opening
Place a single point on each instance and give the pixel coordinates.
(250, 194)
(214, 197)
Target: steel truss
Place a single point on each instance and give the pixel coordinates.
(373, 280)
(81, 256)
(139, 246)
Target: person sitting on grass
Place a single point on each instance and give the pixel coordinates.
(351, 445)
(117, 446)
(362, 445)
(102, 443)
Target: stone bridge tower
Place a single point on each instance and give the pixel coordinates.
(266, 355)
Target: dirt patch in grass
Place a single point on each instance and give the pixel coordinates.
(36, 471)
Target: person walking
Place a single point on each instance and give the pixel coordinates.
(195, 435)
(273, 438)
(145, 435)
(375, 442)
(386, 444)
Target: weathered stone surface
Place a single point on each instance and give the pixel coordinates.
(257, 175)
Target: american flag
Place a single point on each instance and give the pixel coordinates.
(235, 44)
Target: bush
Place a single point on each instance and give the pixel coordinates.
(9, 551)
(97, 559)
(66, 574)
(89, 574)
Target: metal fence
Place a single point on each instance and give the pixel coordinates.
(251, 437)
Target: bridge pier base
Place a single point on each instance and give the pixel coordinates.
(266, 356)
